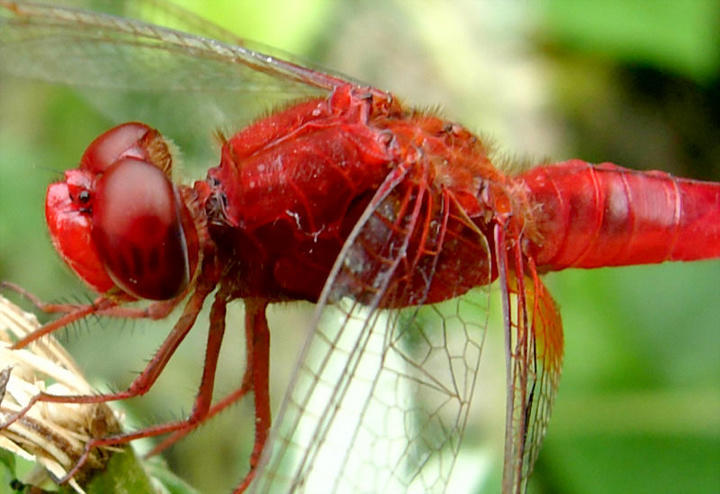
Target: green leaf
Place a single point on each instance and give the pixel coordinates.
(682, 37)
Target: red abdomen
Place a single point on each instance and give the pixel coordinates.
(604, 215)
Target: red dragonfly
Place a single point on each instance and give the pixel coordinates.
(393, 221)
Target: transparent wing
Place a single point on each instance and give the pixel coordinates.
(186, 85)
(160, 12)
(82, 47)
(380, 399)
(534, 345)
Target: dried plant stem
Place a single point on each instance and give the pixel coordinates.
(53, 435)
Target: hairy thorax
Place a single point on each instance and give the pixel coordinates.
(414, 189)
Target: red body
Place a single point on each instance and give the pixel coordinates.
(281, 208)
(356, 195)
(352, 201)
(605, 215)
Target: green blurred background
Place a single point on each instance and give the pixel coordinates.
(631, 82)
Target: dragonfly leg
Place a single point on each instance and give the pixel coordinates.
(218, 407)
(142, 382)
(103, 305)
(70, 312)
(203, 399)
(257, 345)
(257, 335)
(156, 310)
(49, 308)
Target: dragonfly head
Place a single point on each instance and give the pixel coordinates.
(119, 222)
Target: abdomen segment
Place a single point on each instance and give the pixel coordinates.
(588, 216)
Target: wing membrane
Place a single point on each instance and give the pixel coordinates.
(86, 48)
(380, 399)
(534, 345)
(186, 85)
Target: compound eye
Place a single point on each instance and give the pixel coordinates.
(129, 140)
(137, 230)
